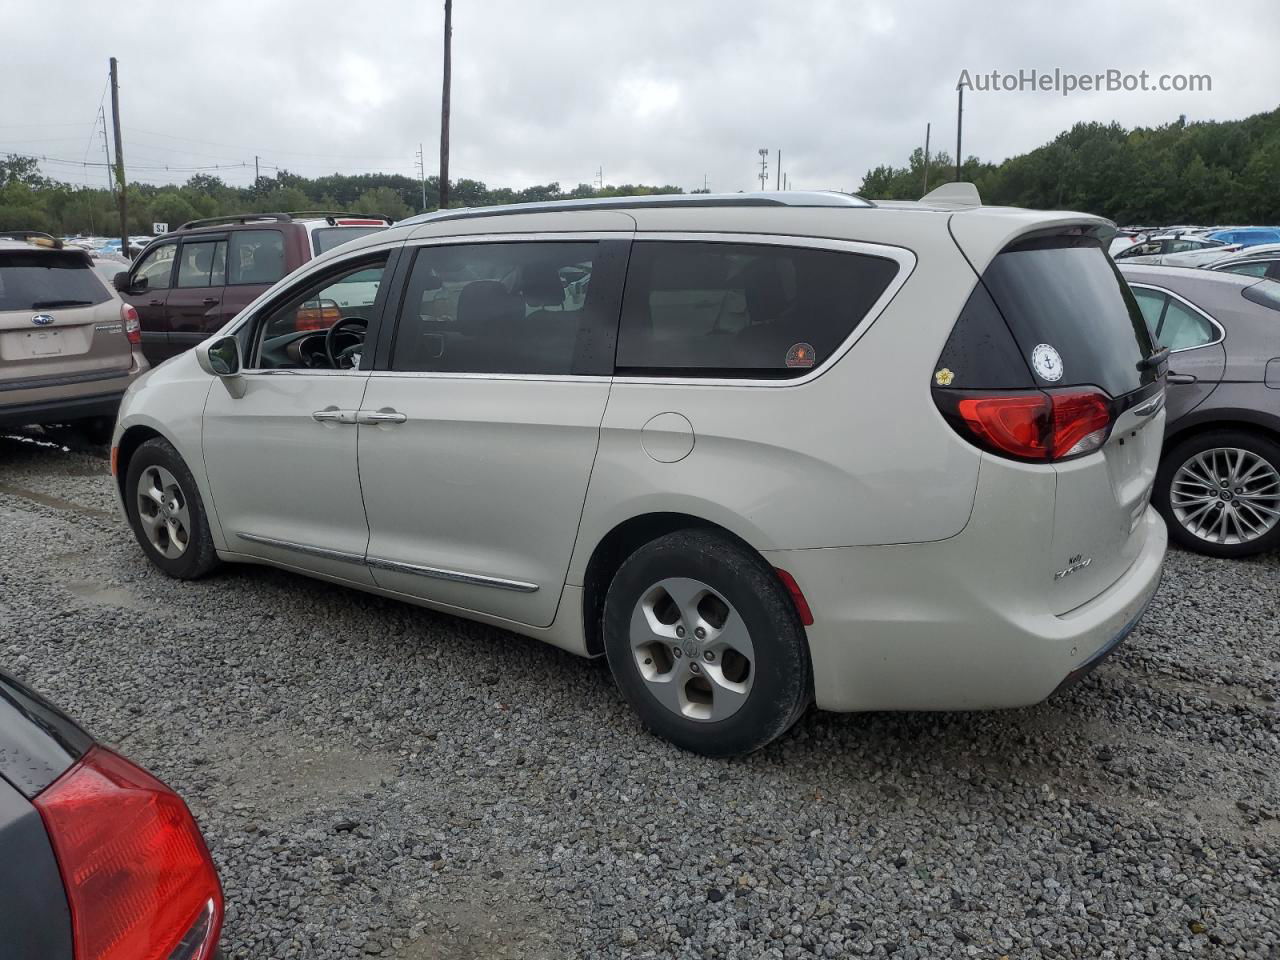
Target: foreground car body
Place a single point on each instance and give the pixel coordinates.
(756, 450)
(1219, 483)
(98, 859)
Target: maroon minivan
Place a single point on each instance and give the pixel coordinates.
(186, 284)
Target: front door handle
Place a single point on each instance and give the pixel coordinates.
(155, 303)
(334, 415)
(210, 301)
(379, 417)
(1181, 378)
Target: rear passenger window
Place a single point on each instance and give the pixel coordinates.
(742, 310)
(257, 256)
(516, 308)
(1183, 328)
(202, 264)
(1152, 306)
(1254, 269)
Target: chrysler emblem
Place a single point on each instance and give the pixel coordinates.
(42, 319)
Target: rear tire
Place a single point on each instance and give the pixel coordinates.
(704, 642)
(167, 513)
(1252, 489)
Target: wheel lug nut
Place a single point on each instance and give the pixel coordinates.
(679, 631)
(677, 652)
(694, 667)
(709, 656)
(700, 633)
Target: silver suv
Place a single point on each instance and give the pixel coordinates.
(68, 345)
(758, 450)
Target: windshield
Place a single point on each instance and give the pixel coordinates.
(30, 281)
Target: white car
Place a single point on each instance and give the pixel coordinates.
(759, 450)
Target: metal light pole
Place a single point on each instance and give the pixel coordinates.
(764, 166)
(927, 127)
(959, 126)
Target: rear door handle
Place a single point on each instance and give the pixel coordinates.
(210, 301)
(379, 417)
(334, 415)
(1181, 378)
(155, 303)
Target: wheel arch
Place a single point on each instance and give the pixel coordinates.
(619, 543)
(1250, 421)
(132, 438)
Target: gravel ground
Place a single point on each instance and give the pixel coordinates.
(378, 780)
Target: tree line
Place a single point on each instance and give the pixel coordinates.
(1208, 172)
(31, 201)
(1211, 172)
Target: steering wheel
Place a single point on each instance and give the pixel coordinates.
(342, 359)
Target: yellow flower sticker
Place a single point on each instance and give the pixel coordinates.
(943, 377)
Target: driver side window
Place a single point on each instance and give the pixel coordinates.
(321, 323)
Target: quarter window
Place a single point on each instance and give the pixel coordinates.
(202, 264)
(696, 308)
(1183, 328)
(156, 267)
(515, 308)
(257, 256)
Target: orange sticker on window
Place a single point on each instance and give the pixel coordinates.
(800, 355)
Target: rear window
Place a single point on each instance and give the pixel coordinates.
(327, 238)
(34, 281)
(742, 310)
(1072, 315)
(1266, 293)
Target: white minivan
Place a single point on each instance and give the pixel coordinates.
(759, 450)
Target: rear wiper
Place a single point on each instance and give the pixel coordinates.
(1153, 361)
(45, 304)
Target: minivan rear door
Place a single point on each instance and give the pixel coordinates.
(1077, 325)
(58, 321)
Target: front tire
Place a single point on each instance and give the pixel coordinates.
(705, 643)
(166, 512)
(1219, 493)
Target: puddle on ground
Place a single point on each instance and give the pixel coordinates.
(57, 503)
(91, 592)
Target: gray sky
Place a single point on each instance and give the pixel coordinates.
(663, 91)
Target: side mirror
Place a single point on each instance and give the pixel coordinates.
(121, 281)
(220, 357)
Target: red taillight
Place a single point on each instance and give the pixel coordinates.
(132, 326)
(1032, 424)
(316, 315)
(139, 879)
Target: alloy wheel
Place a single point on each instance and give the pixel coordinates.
(1226, 495)
(163, 512)
(692, 649)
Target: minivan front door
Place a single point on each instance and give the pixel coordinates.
(478, 438)
(280, 440)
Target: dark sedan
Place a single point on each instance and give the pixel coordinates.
(99, 860)
(1218, 486)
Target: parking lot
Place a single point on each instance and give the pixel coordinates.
(376, 779)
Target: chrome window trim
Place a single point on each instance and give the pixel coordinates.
(325, 553)
(1221, 330)
(905, 259)
(453, 576)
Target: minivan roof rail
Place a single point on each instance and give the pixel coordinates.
(763, 198)
(279, 218)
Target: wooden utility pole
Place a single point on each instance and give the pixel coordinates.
(123, 199)
(444, 104)
(959, 125)
(927, 128)
(778, 173)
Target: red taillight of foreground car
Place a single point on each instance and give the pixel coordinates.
(132, 325)
(139, 879)
(1034, 425)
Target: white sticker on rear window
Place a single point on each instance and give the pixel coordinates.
(1047, 362)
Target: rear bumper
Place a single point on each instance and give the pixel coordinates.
(933, 626)
(60, 411)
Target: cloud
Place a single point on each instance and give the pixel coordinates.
(665, 91)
